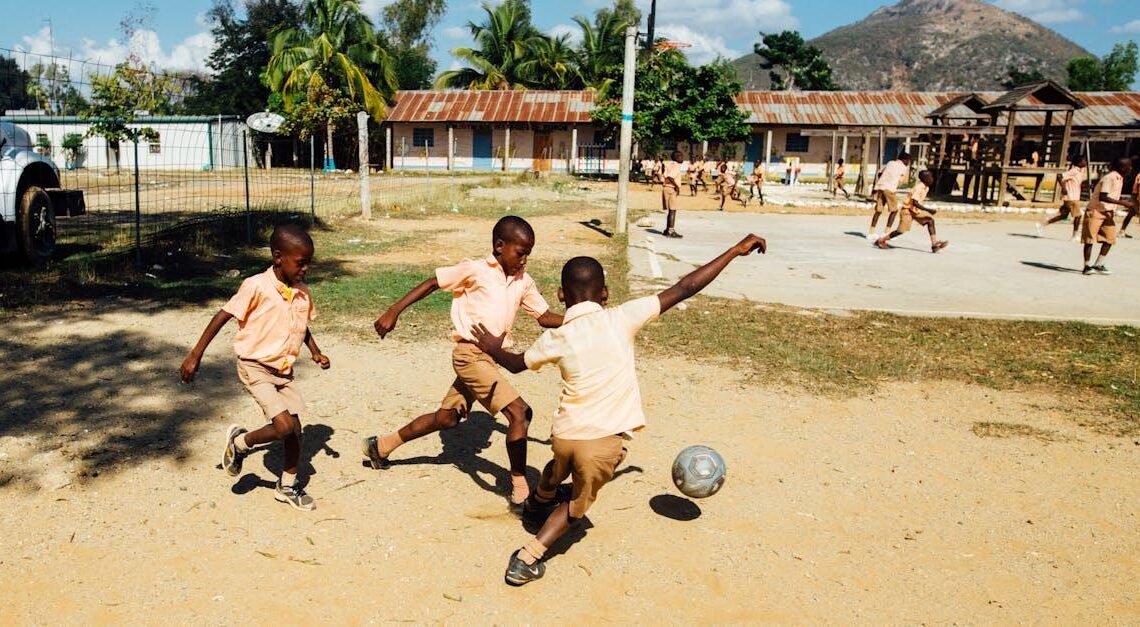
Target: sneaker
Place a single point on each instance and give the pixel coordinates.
(937, 246)
(1040, 229)
(536, 511)
(1126, 235)
(519, 573)
(295, 497)
(1075, 238)
(871, 235)
(673, 234)
(232, 457)
(882, 243)
(1101, 269)
(369, 446)
(1087, 271)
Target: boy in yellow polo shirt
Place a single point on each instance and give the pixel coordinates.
(273, 310)
(1100, 218)
(600, 404)
(914, 211)
(486, 291)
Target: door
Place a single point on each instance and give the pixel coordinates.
(543, 144)
(481, 150)
(754, 150)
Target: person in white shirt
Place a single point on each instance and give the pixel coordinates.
(885, 192)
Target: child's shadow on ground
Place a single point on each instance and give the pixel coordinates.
(314, 439)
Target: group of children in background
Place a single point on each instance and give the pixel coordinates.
(599, 407)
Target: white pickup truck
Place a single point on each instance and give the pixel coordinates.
(30, 197)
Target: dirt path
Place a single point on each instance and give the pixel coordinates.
(882, 508)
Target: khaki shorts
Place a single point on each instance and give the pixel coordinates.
(477, 378)
(1071, 207)
(589, 463)
(668, 198)
(1099, 228)
(910, 214)
(887, 200)
(275, 393)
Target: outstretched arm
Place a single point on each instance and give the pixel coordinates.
(315, 350)
(698, 279)
(493, 346)
(1105, 198)
(194, 359)
(386, 322)
(550, 320)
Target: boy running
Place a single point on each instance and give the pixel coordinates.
(1100, 220)
(486, 291)
(670, 188)
(1135, 199)
(913, 211)
(697, 175)
(756, 182)
(1071, 189)
(840, 175)
(886, 192)
(273, 310)
(600, 404)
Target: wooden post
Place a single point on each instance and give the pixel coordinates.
(572, 162)
(861, 185)
(844, 149)
(831, 163)
(705, 145)
(362, 151)
(767, 147)
(1006, 152)
(507, 150)
(882, 148)
(388, 160)
(450, 147)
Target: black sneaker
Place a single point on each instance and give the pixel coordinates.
(519, 573)
(1087, 271)
(369, 446)
(1101, 269)
(232, 457)
(295, 497)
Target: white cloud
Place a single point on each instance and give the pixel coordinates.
(574, 32)
(456, 32)
(1044, 11)
(704, 48)
(718, 19)
(372, 8)
(189, 54)
(1131, 28)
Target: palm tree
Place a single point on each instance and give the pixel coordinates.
(550, 63)
(504, 40)
(601, 52)
(337, 48)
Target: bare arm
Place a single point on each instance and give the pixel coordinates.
(550, 320)
(315, 350)
(1105, 198)
(194, 359)
(493, 346)
(698, 279)
(386, 322)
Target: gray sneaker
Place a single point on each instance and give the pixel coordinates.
(295, 497)
(232, 457)
(519, 573)
(371, 449)
(1101, 269)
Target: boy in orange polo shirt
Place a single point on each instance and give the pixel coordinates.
(600, 404)
(914, 211)
(670, 189)
(1071, 193)
(486, 291)
(1100, 218)
(886, 192)
(273, 310)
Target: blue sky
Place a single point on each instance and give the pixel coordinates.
(177, 36)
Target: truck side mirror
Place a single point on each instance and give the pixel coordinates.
(3, 142)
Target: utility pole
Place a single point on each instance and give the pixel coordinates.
(626, 128)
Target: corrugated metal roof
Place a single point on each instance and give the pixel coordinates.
(840, 108)
(1044, 92)
(556, 107)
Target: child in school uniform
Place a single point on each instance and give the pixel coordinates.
(1100, 216)
(756, 181)
(840, 176)
(599, 408)
(273, 310)
(697, 175)
(914, 211)
(886, 192)
(670, 189)
(1071, 194)
(486, 291)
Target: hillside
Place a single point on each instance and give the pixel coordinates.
(933, 45)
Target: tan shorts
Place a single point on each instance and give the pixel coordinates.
(589, 463)
(275, 393)
(887, 200)
(668, 198)
(909, 215)
(1099, 228)
(477, 378)
(1071, 207)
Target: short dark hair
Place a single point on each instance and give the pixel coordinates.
(904, 156)
(582, 278)
(511, 229)
(1121, 163)
(677, 156)
(924, 174)
(286, 236)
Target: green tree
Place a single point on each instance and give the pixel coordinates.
(1115, 72)
(241, 52)
(602, 50)
(14, 86)
(407, 27)
(550, 63)
(51, 87)
(335, 48)
(1015, 76)
(792, 64)
(1085, 74)
(118, 98)
(504, 41)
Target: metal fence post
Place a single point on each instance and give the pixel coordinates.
(245, 167)
(362, 150)
(312, 179)
(138, 208)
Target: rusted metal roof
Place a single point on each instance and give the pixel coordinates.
(1108, 110)
(533, 106)
(1041, 92)
(966, 106)
(840, 108)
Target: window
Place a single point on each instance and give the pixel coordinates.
(796, 143)
(423, 137)
(156, 145)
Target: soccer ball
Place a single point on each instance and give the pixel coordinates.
(698, 471)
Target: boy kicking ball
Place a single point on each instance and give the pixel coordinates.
(1100, 218)
(913, 211)
(600, 404)
(273, 310)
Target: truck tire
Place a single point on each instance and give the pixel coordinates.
(36, 224)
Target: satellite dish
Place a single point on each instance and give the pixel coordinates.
(265, 121)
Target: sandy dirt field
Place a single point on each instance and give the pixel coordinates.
(893, 506)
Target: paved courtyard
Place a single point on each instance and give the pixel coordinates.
(996, 269)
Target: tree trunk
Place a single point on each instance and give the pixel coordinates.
(329, 163)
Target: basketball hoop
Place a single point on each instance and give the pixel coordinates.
(671, 45)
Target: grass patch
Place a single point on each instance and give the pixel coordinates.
(1014, 430)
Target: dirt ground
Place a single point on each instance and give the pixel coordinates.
(939, 503)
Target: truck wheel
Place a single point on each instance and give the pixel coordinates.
(36, 222)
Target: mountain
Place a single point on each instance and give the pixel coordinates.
(933, 45)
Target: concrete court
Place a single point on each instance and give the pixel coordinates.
(991, 269)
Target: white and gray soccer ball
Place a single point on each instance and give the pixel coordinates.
(698, 471)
